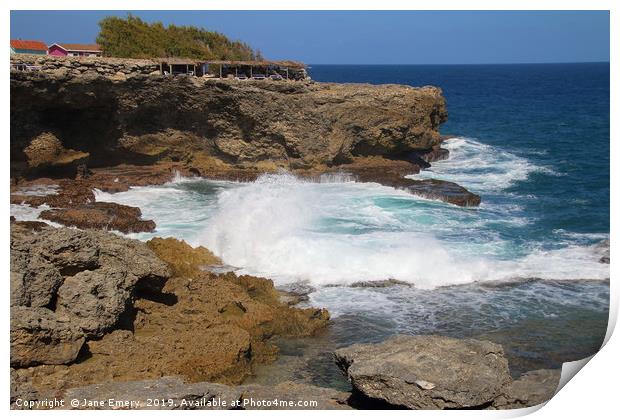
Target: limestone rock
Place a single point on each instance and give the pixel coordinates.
(21, 386)
(170, 325)
(40, 336)
(392, 173)
(449, 192)
(235, 130)
(69, 250)
(89, 276)
(532, 388)
(101, 215)
(71, 193)
(96, 299)
(39, 261)
(184, 260)
(427, 372)
(140, 118)
(435, 154)
(30, 225)
(34, 281)
(46, 149)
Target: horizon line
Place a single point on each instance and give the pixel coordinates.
(460, 64)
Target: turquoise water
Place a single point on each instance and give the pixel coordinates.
(522, 269)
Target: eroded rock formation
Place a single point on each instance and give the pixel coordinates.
(41, 336)
(143, 118)
(46, 149)
(116, 112)
(531, 388)
(415, 372)
(87, 277)
(436, 372)
(427, 372)
(120, 309)
(125, 112)
(101, 215)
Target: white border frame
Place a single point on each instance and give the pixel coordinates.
(592, 394)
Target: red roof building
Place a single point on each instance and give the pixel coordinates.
(22, 46)
(75, 50)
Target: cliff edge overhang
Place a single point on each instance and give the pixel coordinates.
(73, 115)
(124, 110)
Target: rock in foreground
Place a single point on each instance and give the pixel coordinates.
(135, 311)
(172, 393)
(532, 388)
(68, 285)
(427, 372)
(434, 372)
(40, 336)
(169, 392)
(293, 396)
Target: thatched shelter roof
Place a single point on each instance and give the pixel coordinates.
(178, 61)
(261, 63)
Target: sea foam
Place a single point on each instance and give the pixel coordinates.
(481, 167)
(292, 230)
(337, 231)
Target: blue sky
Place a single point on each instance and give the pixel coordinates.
(368, 37)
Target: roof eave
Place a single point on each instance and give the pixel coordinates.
(59, 46)
(71, 49)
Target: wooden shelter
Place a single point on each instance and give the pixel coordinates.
(257, 69)
(264, 68)
(175, 65)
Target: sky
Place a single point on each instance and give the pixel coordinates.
(367, 37)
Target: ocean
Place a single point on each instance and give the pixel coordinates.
(522, 269)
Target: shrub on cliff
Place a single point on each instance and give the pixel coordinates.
(131, 37)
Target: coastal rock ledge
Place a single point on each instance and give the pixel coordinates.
(435, 372)
(404, 372)
(148, 117)
(89, 307)
(78, 113)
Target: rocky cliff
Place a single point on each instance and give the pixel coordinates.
(98, 113)
(105, 111)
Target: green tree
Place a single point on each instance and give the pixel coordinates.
(132, 37)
